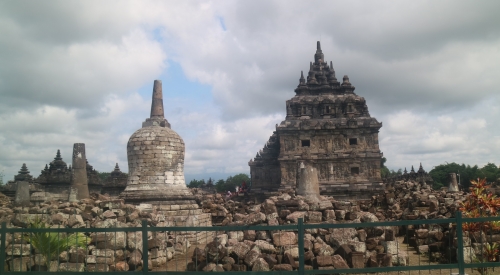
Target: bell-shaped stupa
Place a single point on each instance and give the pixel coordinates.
(156, 161)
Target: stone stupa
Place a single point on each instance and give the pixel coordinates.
(156, 160)
(156, 171)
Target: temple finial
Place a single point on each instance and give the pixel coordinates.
(58, 155)
(318, 56)
(157, 103)
(302, 80)
(157, 117)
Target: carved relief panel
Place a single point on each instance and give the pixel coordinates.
(322, 144)
(323, 171)
(289, 145)
(339, 142)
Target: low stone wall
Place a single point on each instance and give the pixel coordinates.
(120, 251)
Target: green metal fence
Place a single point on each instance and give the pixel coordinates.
(459, 264)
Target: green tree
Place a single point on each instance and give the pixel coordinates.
(441, 173)
(103, 175)
(396, 173)
(196, 183)
(490, 171)
(231, 182)
(1, 177)
(219, 182)
(384, 171)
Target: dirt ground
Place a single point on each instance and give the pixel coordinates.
(180, 261)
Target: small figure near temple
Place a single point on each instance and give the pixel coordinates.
(243, 188)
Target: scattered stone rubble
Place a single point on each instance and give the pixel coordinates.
(332, 248)
(249, 249)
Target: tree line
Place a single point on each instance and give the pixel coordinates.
(222, 185)
(490, 171)
(465, 173)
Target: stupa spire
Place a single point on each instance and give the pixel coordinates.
(302, 80)
(157, 117)
(58, 155)
(319, 54)
(157, 103)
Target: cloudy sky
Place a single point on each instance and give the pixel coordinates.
(83, 71)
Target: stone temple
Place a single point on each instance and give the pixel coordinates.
(329, 127)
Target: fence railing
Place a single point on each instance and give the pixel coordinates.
(458, 263)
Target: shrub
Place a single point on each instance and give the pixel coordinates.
(51, 244)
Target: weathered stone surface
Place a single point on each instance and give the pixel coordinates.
(308, 183)
(342, 236)
(357, 260)
(79, 180)
(98, 267)
(22, 193)
(19, 249)
(240, 250)
(260, 265)
(294, 251)
(324, 260)
(282, 267)
(72, 267)
(134, 240)
(284, 238)
(251, 257)
(135, 259)
(265, 246)
(294, 217)
(77, 255)
(19, 264)
(215, 251)
(339, 262)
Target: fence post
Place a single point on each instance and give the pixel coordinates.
(3, 232)
(460, 244)
(301, 245)
(145, 264)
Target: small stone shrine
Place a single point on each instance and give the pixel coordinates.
(55, 181)
(328, 126)
(24, 174)
(56, 176)
(421, 177)
(115, 183)
(156, 170)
